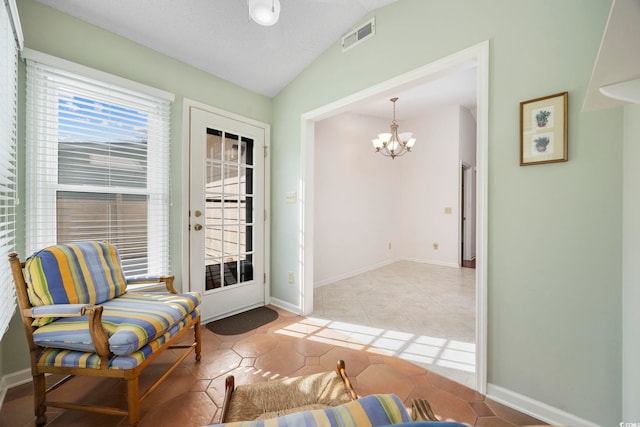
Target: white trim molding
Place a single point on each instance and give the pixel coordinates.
(479, 54)
(13, 379)
(187, 105)
(362, 270)
(536, 409)
(353, 273)
(287, 306)
(12, 8)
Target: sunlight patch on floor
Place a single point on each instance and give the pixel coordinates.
(419, 349)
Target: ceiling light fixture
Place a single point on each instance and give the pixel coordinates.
(264, 12)
(393, 144)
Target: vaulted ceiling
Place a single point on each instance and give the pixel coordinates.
(218, 36)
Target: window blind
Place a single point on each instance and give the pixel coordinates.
(10, 40)
(98, 166)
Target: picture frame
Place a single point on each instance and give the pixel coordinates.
(544, 130)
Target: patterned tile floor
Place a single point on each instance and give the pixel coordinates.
(289, 346)
(419, 312)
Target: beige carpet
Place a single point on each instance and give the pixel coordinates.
(419, 312)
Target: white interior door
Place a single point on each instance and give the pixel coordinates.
(226, 218)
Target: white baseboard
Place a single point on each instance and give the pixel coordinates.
(286, 306)
(432, 262)
(339, 277)
(11, 380)
(15, 379)
(534, 408)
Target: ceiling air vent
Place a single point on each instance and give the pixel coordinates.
(363, 32)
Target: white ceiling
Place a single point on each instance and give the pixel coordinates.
(457, 87)
(218, 37)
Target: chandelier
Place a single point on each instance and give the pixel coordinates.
(393, 144)
(264, 12)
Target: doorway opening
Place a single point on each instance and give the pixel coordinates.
(479, 55)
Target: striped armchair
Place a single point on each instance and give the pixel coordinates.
(81, 320)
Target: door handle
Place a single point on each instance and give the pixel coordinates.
(197, 227)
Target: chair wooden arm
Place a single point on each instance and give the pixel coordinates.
(421, 411)
(99, 337)
(168, 281)
(341, 371)
(98, 334)
(229, 387)
(147, 280)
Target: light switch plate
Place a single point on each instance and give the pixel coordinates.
(291, 197)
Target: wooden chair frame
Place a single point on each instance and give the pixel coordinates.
(100, 340)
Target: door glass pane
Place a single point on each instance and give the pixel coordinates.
(228, 205)
(246, 151)
(231, 147)
(246, 268)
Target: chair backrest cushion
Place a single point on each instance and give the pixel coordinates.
(74, 273)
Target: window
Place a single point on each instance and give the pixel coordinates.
(98, 156)
(10, 42)
(229, 209)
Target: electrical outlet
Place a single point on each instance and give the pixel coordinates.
(291, 277)
(435, 246)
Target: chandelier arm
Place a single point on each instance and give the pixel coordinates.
(398, 146)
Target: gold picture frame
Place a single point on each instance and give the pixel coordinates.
(544, 130)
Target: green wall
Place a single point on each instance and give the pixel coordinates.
(554, 230)
(49, 31)
(631, 267)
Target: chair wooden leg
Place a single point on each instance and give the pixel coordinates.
(133, 401)
(196, 331)
(39, 398)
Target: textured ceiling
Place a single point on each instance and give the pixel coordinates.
(217, 36)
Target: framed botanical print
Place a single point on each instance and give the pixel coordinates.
(543, 130)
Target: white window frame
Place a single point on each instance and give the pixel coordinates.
(41, 199)
(11, 44)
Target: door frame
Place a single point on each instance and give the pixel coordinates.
(478, 53)
(187, 104)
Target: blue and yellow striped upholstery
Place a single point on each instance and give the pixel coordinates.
(80, 319)
(57, 310)
(61, 279)
(374, 410)
(131, 321)
(80, 359)
(74, 273)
